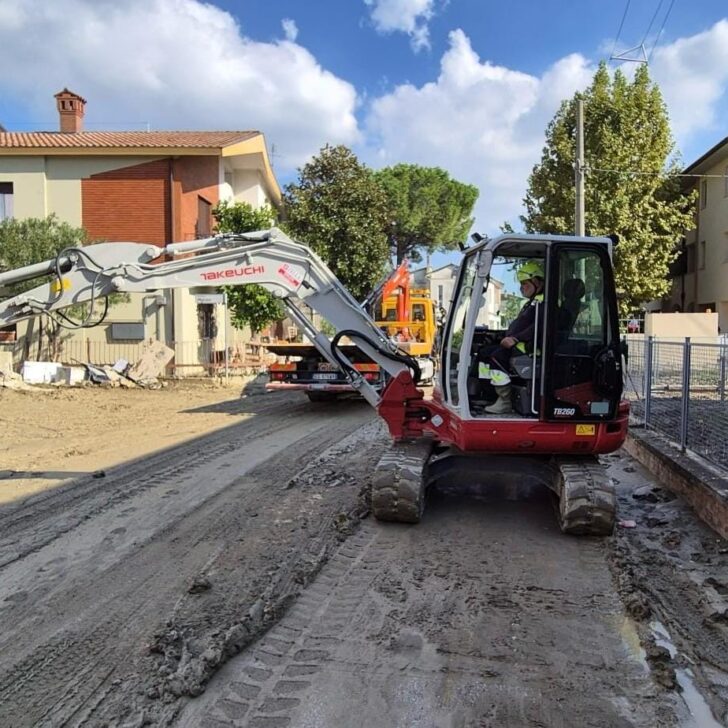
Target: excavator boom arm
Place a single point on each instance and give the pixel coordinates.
(287, 269)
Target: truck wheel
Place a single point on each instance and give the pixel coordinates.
(321, 396)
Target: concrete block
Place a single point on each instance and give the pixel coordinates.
(40, 372)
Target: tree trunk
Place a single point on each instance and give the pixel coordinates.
(39, 355)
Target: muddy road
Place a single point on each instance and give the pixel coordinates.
(235, 579)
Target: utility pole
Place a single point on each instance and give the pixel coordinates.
(579, 170)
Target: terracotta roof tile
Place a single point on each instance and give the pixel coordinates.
(121, 139)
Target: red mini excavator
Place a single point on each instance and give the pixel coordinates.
(566, 390)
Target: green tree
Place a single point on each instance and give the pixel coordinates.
(32, 240)
(632, 188)
(338, 208)
(251, 305)
(428, 211)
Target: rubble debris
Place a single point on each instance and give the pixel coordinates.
(40, 372)
(12, 380)
(121, 366)
(660, 662)
(70, 376)
(150, 366)
(199, 585)
(97, 375)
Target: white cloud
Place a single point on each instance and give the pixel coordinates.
(290, 29)
(482, 122)
(693, 74)
(405, 16)
(173, 63)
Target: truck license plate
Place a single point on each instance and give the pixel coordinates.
(325, 375)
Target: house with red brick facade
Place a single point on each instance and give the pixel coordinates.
(155, 187)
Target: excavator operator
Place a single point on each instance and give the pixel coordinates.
(494, 359)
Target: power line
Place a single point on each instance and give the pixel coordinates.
(669, 174)
(649, 27)
(619, 32)
(638, 54)
(659, 32)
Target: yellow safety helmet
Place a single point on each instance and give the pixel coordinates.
(530, 269)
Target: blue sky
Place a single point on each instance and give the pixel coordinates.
(468, 85)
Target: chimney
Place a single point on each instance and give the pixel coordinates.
(71, 109)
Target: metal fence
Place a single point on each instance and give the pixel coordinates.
(191, 358)
(679, 388)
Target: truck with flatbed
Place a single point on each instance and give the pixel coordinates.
(405, 315)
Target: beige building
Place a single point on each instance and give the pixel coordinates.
(700, 275)
(441, 283)
(154, 187)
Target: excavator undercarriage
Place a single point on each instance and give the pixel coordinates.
(584, 497)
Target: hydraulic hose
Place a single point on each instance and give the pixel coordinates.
(401, 356)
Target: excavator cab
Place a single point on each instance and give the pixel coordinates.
(571, 370)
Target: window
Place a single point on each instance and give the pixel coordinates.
(418, 311)
(703, 193)
(440, 295)
(206, 322)
(204, 218)
(581, 311)
(690, 249)
(701, 257)
(457, 357)
(6, 200)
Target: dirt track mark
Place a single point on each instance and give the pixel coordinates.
(30, 525)
(484, 614)
(673, 568)
(88, 633)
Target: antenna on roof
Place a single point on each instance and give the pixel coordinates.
(273, 154)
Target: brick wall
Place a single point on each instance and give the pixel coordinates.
(129, 204)
(193, 177)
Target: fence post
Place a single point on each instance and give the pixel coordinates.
(721, 386)
(225, 335)
(648, 380)
(686, 395)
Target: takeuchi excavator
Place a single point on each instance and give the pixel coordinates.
(566, 391)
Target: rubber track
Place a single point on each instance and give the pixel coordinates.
(587, 502)
(398, 486)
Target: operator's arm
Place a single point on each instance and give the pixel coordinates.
(522, 330)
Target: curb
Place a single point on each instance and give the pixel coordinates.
(703, 486)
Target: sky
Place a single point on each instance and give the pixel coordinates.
(466, 85)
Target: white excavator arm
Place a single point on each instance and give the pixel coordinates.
(287, 269)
